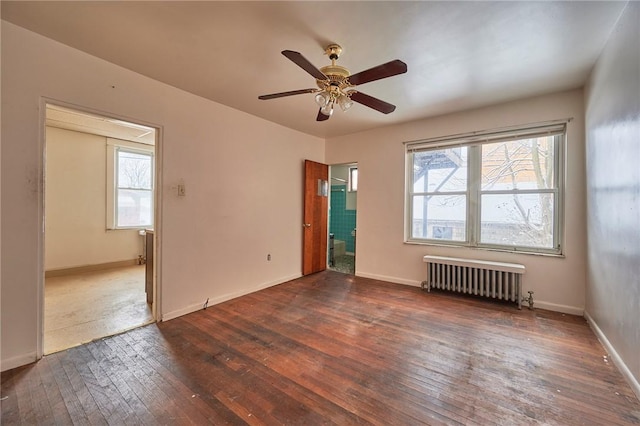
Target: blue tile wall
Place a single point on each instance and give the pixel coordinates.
(341, 220)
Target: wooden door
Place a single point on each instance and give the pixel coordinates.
(316, 196)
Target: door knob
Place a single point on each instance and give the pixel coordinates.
(306, 225)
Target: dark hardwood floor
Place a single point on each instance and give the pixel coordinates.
(333, 349)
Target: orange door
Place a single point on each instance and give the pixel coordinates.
(316, 196)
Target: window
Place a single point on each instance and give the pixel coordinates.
(130, 178)
(353, 179)
(494, 190)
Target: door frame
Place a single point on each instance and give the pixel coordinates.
(156, 310)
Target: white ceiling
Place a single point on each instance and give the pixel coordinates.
(70, 119)
(460, 55)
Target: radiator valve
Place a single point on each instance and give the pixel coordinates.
(529, 299)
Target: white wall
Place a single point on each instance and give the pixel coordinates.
(558, 282)
(75, 200)
(613, 193)
(243, 179)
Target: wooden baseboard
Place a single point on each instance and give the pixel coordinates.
(89, 268)
(617, 360)
(18, 361)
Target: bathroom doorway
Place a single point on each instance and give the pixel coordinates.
(99, 204)
(342, 218)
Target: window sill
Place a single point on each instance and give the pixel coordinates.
(498, 249)
(131, 228)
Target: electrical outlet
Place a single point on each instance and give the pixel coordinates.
(269, 257)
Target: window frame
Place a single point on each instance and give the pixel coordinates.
(351, 187)
(114, 147)
(473, 220)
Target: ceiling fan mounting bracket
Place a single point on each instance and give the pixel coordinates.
(333, 51)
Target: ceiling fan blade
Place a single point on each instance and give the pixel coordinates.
(283, 94)
(322, 117)
(303, 63)
(372, 102)
(381, 71)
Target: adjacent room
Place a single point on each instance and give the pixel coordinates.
(342, 217)
(323, 212)
(99, 209)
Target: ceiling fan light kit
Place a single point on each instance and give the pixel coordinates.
(336, 85)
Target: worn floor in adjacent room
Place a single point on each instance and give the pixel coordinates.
(82, 307)
(345, 263)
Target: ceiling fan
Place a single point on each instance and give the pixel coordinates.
(336, 85)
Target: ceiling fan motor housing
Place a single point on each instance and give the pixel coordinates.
(337, 76)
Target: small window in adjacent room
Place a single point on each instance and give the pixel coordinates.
(353, 179)
(130, 201)
(497, 190)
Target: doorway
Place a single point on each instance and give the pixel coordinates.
(342, 217)
(99, 203)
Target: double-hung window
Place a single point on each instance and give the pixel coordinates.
(130, 171)
(500, 189)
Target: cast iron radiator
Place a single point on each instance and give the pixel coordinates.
(495, 280)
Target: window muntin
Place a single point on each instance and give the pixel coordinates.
(501, 193)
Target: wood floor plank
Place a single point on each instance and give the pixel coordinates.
(308, 360)
(42, 410)
(69, 397)
(9, 398)
(167, 403)
(128, 389)
(333, 349)
(59, 408)
(79, 387)
(189, 388)
(250, 364)
(166, 387)
(99, 386)
(21, 383)
(239, 363)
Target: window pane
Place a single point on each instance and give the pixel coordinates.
(524, 220)
(353, 179)
(134, 170)
(439, 217)
(443, 170)
(134, 208)
(522, 164)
